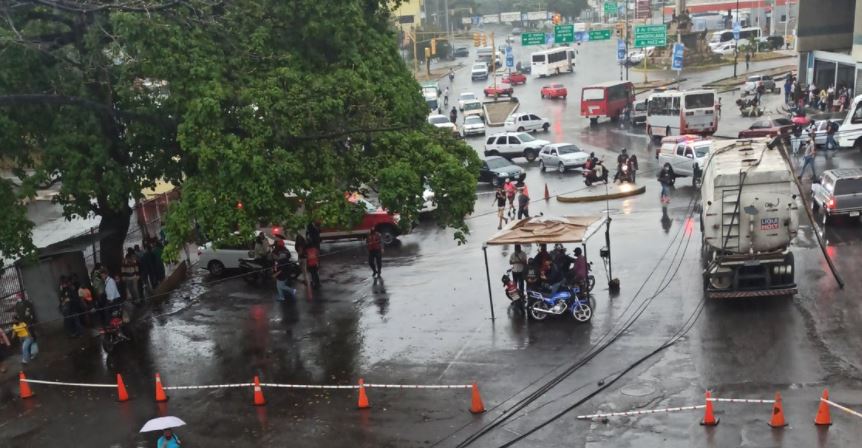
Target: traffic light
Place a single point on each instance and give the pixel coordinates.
(484, 41)
(434, 46)
(557, 19)
(427, 53)
(477, 40)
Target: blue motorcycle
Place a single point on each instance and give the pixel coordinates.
(542, 304)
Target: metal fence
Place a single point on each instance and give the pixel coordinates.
(10, 286)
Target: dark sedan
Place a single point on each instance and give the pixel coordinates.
(462, 52)
(495, 170)
(767, 127)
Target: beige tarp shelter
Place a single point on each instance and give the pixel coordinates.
(545, 230)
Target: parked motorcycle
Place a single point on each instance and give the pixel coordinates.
(543, 304)
(597, 173)
(113, 333)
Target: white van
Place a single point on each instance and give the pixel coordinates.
(851, 128)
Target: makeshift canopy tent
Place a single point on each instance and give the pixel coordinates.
(544, 230)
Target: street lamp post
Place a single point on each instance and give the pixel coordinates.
(736, 41)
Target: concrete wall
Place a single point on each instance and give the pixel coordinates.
(826, 24)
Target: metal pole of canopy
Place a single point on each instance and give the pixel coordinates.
(488, 278)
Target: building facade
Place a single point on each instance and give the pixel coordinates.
(830, 43)
(410, 12)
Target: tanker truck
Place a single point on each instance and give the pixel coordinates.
(749, 216)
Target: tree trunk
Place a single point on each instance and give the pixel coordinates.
(115, 225)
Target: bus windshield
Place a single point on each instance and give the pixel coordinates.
(699, 101)
(594, 94)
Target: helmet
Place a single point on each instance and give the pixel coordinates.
(592, 154)
(624, 151)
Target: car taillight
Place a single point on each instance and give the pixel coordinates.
(831, 203)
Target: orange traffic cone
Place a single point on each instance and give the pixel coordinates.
(476, 407)
(363, 399)
(823, 417)
(258, 393)
(547, 193)
(160, 391)
(777, 420)
(24, 386)
(122, 395)
(708, 416)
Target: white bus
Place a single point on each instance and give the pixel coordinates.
(677, 113)
(751, 34)
(552, 61)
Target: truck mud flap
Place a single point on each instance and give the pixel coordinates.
(751, 294)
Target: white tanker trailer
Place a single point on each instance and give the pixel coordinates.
(749, 218)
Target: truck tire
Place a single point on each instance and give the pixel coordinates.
(858, 144)
(388, 235)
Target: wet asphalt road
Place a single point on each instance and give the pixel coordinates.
(429, 323)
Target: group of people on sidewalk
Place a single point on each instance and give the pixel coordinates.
(505, 194)
(824, 98)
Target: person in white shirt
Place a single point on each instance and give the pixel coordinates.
(518, 260)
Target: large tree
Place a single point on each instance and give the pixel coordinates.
(267, 104)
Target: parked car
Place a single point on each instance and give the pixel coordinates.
(514, 144)
(465, 97)
(554, 91)
(515, 78)
(562, 156)
(462, 52)
(839, 193)
(755, 81)
(769, 127)
(479, 71)
(637, 56)
(473, 125)
(495, 170)
(219, 258)
(474, 108)
(686, 158)
(525, 122)
(499, 88)
(639, 113)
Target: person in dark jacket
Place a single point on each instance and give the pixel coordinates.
(666, 180)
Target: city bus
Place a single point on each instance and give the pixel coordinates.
(675, 112)
(552, 61)
(607, 99)
(750, 34)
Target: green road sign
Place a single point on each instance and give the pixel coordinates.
(650, 36)
(610, 8)
(532, 39)
(564, 33)
(600, 34)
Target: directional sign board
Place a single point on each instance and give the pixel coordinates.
(650, 36)
(600, 34)
(610, 7)
(736, 30)
(678, 50)
(510, 58)
(564, 33)
(532, 39)
(621, 50)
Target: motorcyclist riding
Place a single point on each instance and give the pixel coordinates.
(453, 115)
(621, 160)
(451, 76)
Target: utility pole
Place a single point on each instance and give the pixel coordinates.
(448, 35)
(626, 34)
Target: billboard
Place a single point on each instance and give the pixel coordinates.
(510, 16)
(642, 9)
(491, 18)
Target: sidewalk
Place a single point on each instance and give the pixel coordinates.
(438, 71)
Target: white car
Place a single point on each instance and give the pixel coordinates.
(525, 123)
(686, 158)
(473, 125)
(637, 56)
(727, 48)
(442, 122)
(217, 260)
(479, 71)
(562, 156)
(466, 97)
(472, 108)
(514, 144)
(820, 130)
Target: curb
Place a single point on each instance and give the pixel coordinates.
(497, 124)
(779, 74)
(601, 197)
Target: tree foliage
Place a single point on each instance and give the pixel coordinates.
(269, 104)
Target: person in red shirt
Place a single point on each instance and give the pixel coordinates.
(312, 260)
(375, 253)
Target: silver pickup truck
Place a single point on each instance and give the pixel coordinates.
(839, 193)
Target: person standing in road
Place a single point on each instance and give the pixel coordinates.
(747, 59)
(510, 189)
(518, 261)
(665, 178)
(131, 276)
(524, 203)
(500, 200)
(788, 87)
(68, 307)
(453, 115)
(282, 275)
(312, 261)
(831, 129)
(312, 234)
(375, 253)
(808, 158)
